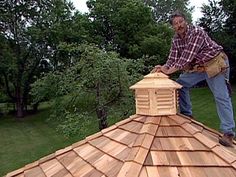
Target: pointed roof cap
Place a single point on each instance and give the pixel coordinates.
(156, 80)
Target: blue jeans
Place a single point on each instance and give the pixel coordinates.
(219, 89)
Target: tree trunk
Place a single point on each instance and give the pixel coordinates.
(19, 110)
(100, 110)
(35, 107)
(102, 117)
(19, 104)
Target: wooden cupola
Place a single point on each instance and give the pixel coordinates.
(155, 95)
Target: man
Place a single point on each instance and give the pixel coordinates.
(201, 58)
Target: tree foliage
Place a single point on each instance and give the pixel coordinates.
(229, 8)
(95, 82)
(30, 34)
(213, 18)
(162, 9)
(219, 21)
(120, 25)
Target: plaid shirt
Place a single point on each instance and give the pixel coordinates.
(196, 48)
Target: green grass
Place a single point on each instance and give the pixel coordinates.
(27, 140)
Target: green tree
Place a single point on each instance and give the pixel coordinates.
(219, 21)
(98, 78)
(162, 9)
(29, 30)
(214, 17)
(229, 7)
(129, 28)
(120, 25)
(156, 44)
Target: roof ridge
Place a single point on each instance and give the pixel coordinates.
(202, 125)
(140, 151)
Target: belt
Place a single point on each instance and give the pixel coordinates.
(196, 68)
(203, 68)
(199, 68)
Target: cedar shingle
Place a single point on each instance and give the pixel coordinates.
(205, 140)
(190, 128)
(149, 129)
(179, 119)
(141, 155)
(134, 127)
(108, 165)
(67, 158)
(130, 169)
(225, 154)
(154, 120)
(143, 172)
(51, 167)
(166, 121)
(147, 141)
(172, 131)
(36, 171)
(177, 144)
(78, 166)
(122, 136)
(162, 171)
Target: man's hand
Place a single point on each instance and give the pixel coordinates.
(157, 68)
(164, 69)
(170, 70)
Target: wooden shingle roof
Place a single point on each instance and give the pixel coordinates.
(146, 145)
(141, 146)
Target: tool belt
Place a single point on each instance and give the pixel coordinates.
(213, 67)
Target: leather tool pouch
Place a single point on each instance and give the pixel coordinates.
(216, 66)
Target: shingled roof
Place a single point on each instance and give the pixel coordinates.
(141, 146)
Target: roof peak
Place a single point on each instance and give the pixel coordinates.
(156, 75)
(156, 80)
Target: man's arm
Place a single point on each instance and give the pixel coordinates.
(168, 67)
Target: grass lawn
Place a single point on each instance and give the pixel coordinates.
(27, 140)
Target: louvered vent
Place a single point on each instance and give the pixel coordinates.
(142, 99)
(165, 101)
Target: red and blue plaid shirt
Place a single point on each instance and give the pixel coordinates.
(196, 48)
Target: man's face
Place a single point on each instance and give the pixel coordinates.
(179, 25)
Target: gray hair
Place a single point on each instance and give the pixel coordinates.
(176, 14)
